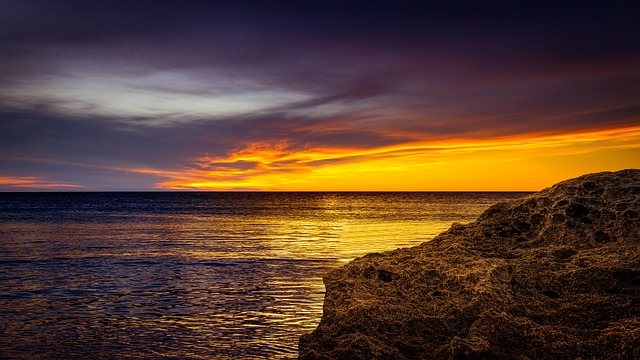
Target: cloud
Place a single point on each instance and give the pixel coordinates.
(34, 182)
(122, 94)
(142, 97)
(274, 165)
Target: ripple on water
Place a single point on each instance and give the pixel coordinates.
(221, 309)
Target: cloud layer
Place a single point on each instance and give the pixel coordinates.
(195, 95)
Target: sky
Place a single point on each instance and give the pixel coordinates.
(316, 95)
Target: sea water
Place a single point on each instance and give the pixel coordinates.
(190, 275)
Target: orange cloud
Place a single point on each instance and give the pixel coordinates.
(522, 162)
(33, 182)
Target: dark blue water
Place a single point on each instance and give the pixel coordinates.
(191, 275)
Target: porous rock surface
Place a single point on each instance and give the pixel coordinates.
(555, 275)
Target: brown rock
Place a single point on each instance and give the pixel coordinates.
(553, 275)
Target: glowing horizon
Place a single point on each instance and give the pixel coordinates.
(348, 169)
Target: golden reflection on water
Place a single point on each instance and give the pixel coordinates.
(196, 275)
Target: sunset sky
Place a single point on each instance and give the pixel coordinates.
(316, 95)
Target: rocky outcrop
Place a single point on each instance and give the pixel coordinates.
(552, 275)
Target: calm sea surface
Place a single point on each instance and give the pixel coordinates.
(191, 275)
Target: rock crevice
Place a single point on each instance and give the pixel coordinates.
(553, 275)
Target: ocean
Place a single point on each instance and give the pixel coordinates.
(192, 275)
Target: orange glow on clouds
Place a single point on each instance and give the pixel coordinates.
(507, 163)
(34, 182)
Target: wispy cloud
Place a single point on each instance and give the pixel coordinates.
(273, 166)
(34, 182)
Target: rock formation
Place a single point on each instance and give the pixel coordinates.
(555, 275)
